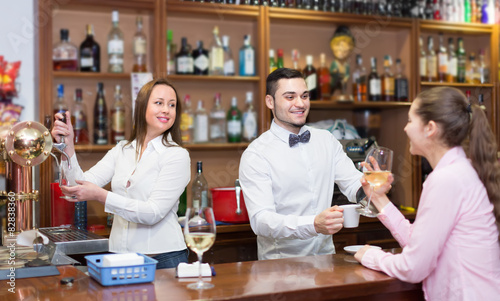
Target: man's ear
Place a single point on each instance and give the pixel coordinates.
(269, 102)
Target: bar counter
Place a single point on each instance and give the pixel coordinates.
(325, 277)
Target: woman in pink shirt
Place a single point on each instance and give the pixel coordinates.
(453, 245)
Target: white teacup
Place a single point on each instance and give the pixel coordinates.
(351, 215)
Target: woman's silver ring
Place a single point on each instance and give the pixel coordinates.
(73, 196)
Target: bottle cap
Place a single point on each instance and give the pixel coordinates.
(234, 101)
(100, 86)
(271, 52)
(78, 94)
(60, 90)
(249, 96)
(114, 16)
(280, 52)
(309, 59)
(225, 41)
(187, 99)
(170, 35)
(199, 43)
(64, 34)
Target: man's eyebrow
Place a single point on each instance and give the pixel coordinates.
(289, 92)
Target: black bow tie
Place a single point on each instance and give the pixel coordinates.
(294, 139)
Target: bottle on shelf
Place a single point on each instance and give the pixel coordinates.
(324, 79)
(79, 119)
(171, 52)
(184, 63)
(436, 10)
(199, 189)
(100, 117)
(139, 48)
(90, 52)
(359, 80)
(401, 83)
(429, 10)
(65, 54)
(80, 217)
(422, 61)
(115, 46)
(272, 61)
(473, 75)
(118, 117)
(217, 121)
(216, 54)
(442, 60)
(295, 59)
(249, 119)
(228, 57)
(234, 126)
(187, 121)
(311, 77)
(374, 84)
(467, 11)
(200, 124)
(387, 80)
(484, 71)
(247, 58)
(431, 61)
(200, 59)
(480, 102)
(181, 210)
(279, 62)
(461, 61)
(60, 105)
(451, 76)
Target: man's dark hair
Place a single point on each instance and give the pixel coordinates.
(276, 75)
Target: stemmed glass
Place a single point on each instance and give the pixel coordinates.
(199, 232)
(376, 169)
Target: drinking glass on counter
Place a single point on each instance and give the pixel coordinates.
(199, 232)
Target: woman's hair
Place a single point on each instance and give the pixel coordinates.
(140, 126)
(465, 124)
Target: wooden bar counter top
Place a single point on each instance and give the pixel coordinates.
(324, 277)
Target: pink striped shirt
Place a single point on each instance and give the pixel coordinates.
(453, 244)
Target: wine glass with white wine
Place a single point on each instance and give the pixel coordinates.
(199, 232)
(376, 169)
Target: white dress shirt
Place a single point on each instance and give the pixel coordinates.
(144, 195)
(286, 187)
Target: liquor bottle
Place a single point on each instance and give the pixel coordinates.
(421, 9)
(442, 60)
(228, 57)
(480, 102)
(445, 10)
(200, 124)
(295, 59)
(90, 52)
(65, 54)
(199, 189)
(247, 58)
(139, 48)
(171, 51)
(100, 117)
(431, 61)
(216, 54)
(400, 83)
(467, 11)
(451, 76)
(460, 11)
(479, 10)
(187, 121)
(324, 79)
(473, 75)
(217, 121)
(311, 77)
(60, 105)
(374, 84)
(183, 59)
(200, 59)
(484, 71)
(249, 119)
(359, 80)
(473, 11)
(461, 61)
(422, 61)
(429, 10)
(272, 61)
(234, 126)
(436, 10)
(79, 119)
(397, 8)
(115, 46)
(280, 63)
(387, 80)
(118, 118)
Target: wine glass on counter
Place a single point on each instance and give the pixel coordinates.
(376, 169)
(199, 232)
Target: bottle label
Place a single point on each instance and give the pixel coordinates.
(80, 120)
(204, 199)
(401, 89)
(249, 126)
(118, 121)
(452, 66)
(217, 59)
(375, 87)
(311, 81)
(389, 86)
(86, 62)
(140, 47)
(423, 67)
(229, 67)
(234, 127)
(115, 60)
(201, 62)
(249, 56)
(432, 67)
(115, 47)
(185, 64)
(186, 121)
(443, 63)
(201, 128)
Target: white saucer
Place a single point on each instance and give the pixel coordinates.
(355, 248)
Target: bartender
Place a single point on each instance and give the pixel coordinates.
(288, 175)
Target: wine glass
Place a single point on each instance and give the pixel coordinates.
(199, 232)
(376, 169)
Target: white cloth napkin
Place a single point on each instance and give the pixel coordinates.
(192, 270)
(26, 238)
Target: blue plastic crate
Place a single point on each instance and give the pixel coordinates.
(108, 276)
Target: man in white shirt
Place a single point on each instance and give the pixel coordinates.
(288, 174)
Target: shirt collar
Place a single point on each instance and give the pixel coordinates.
(156, 143)
(284, 134)
(450, 156)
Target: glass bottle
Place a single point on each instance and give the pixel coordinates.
(374, 84)
(484, 71)
(139, 48)
(387, 80)
(65, 54)
(100, 117)
(217, 121)
(200, 59)
(474, 75)
(422, 61)
(324, 79)
(442, 60)
(401, 83)
(216, 54)
(451, 77)
(247, 58)
(467, 11)
(118, 117)
(60, 105)
(200, 124)
(429, 10)
(199, 189)
(183, 59)
(171, 51)
(228, 57)
(295, 59)
(272, 61)
(187, 121)
(90, 52)
(234, 126)
(461, 61)
(249, 119)
(279, 62)
(359, 80)
(431, 61)
(79, 119)
(311, 77)
(436, 10)
(115, 46)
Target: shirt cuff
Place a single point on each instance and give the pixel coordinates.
(112, 203)
(308, 221)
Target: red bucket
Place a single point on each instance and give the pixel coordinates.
(224, 205)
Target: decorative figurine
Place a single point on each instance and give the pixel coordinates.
(342, 44)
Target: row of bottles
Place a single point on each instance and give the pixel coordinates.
(217, 60)
(450, 65)
(87, 58)
(79, 115)
(218, 125)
